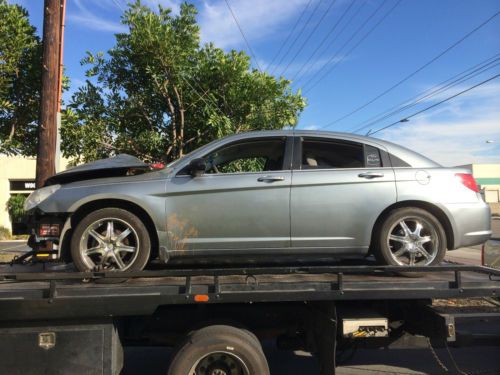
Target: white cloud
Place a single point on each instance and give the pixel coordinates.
(309, 127)
(259, 19)
(456, 134)
(84, 17)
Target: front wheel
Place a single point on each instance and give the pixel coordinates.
(110, 239)
(410, 236)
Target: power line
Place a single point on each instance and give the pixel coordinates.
(332, 3)
(363, 38)
(332, 42)
(327, 35)
(118, 5)
(297, 37)
(289, 34)
(436, 104)
(431, 92)
(243, 34)
(413, 73)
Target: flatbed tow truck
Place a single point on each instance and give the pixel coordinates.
(59, 322)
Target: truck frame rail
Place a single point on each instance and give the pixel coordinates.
(39, 295)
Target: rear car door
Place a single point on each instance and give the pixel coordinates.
(339, 188)
(242, 202)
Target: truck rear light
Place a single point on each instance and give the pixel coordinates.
(468, 181)
(49, 230)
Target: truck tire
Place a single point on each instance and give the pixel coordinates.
(410, 236)
(219, 349)
(110, 239)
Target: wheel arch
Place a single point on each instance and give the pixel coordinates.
(90, 206)
(432, 208)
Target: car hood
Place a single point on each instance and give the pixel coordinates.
(119, 165)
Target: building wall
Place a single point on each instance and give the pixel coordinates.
(487, 177)
(16, 168)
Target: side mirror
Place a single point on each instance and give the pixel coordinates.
(197, 167)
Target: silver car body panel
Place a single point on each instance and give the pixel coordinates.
(329, 211)
(231, 211)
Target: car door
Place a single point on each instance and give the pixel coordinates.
(241, 202)
(339, 188)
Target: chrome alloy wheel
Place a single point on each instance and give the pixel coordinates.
(110, 244)
(219, 363)
(413, 241)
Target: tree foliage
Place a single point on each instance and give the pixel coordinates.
(158, 93)
(20, 81)
(15, 207)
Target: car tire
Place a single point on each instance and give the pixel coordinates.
(219, 345)
(94, 236)
(397, 243)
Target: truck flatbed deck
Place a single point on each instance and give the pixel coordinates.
(39, 295)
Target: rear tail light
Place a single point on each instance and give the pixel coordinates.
(49, 230)
(468, 181)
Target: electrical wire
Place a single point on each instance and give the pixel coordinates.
(118, 5)
(399, 83)
(334, 57)
(436, 104)
(332, 42)
(431, 92)
(327, 35)
(299, 50)
(297, 37)
(289, 34)
(243, 34)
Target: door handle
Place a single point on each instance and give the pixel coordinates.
(271, 178)
(371, 175)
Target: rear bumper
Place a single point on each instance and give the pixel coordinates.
(471, 223)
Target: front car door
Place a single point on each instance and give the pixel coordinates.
(339, 187)
(240, 204)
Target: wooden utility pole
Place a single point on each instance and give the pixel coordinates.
(47, 128)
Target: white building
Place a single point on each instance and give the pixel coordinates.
(17, 176)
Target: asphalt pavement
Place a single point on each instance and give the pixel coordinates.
(13, 246)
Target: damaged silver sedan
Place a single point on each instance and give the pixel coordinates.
(253, 197)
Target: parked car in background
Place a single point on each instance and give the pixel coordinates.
(258, 196)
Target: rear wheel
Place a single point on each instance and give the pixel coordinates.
(110, 239)
(221, 350)
(410, 236)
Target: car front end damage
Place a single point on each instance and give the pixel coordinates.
(47, 210)
(46, 234)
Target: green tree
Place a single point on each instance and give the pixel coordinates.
(15, 207)
(20, 81)
(158, 93)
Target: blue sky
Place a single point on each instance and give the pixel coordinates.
(412, 34)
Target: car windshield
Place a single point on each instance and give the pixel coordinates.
(174, 163)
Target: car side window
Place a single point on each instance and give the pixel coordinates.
(331, 154)
(247, 156)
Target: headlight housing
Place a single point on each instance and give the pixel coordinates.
(38, 196)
